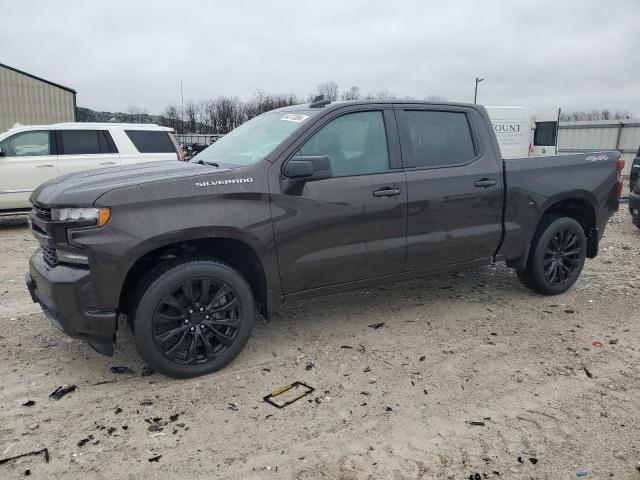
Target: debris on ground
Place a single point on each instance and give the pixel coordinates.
(376, 326)
(60, 392)
(288, 394)
(29, 403)
(474, 423)
(44, 451)
(309, 366)
(614, 341)
(146, 371)
(85, 440)
(582, 473)
(597, 344)
(146, 403)
(120, 370)
(589, 374)
(155, 459)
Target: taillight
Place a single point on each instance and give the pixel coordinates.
(179, 150)
(620, 168)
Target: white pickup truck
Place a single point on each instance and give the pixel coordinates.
(31, 155)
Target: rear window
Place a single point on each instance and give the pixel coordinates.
(436, 139)
(86, 142)
(147, 141)
(545, 134)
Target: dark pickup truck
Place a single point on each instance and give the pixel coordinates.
(303, 201)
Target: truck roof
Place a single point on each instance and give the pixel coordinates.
(340, 103)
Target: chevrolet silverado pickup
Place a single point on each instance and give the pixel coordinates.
(303, 201)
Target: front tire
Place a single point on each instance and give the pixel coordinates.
(557, 256)
(192, 317)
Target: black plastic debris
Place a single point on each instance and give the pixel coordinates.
(85, 440)
(376, 326)
(388, 409)
(346, 346)
(44, 451)
(422, 358)
(174, 417)
(233, 407)
(60, 392)
(146, 371)
(27, 472)
(475, 424)
(146, 403)
(589, 374)
(533, 460)
(29, 403)
(120, 370)
(117, 410)
(475, 476)
(288, 394)
(155, 459)
(309, 366)
(520, 460)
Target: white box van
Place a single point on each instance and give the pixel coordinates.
(521, 135)
(31, 155)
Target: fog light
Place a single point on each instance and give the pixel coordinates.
(71, 257)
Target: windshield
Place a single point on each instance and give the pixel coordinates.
(252, 140)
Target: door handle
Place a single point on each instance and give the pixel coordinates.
(484, 183)
(387, 192)
(46, 165)
(107, 163)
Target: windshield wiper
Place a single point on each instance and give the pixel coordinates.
(202, 162)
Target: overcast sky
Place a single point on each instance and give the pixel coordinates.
(572, 54)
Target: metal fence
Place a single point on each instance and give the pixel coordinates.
(582, 137)
(198, 138)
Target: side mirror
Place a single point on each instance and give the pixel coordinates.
(308, 168)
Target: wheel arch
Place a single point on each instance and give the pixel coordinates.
(237, 253)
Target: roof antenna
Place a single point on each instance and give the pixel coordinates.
(319, 101)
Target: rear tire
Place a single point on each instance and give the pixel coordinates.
(192, 317)
(557, 256)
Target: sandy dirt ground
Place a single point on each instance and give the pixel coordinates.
(390, 403)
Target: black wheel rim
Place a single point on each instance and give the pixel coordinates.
(562, 256)
(197, 321)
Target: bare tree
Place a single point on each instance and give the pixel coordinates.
(137, 114)
(352, 94)
(192, 114)
(381, 94)
(328, 89)
(586, 115)
(435, 98)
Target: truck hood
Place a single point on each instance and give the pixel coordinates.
(83, 188)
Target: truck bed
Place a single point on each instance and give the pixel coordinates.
(533, 184)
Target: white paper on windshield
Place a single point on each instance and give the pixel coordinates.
(294, 117)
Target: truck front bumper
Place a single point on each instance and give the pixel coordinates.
(67, 298)
(634, 208)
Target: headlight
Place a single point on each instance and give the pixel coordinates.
(99, 215)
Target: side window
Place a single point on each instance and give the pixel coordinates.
(26, 144)
(80, 142)
(356, 144)
(149, 141)
(545, 134)
(436, 139)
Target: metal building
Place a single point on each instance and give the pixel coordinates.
(30, 100)
(589, 136)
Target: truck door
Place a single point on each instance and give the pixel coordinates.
(351, 226)
(454, 185)
(27, 160)
(85, 150)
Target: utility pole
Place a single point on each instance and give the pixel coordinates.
(475, 95)
(182, 106)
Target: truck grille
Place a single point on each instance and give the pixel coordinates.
(50, 256)
(42, 212)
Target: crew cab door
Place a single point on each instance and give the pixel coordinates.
(28, 159)
(351, 226)
(454, 185)
(85, 150)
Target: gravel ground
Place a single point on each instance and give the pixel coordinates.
(390, 403)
